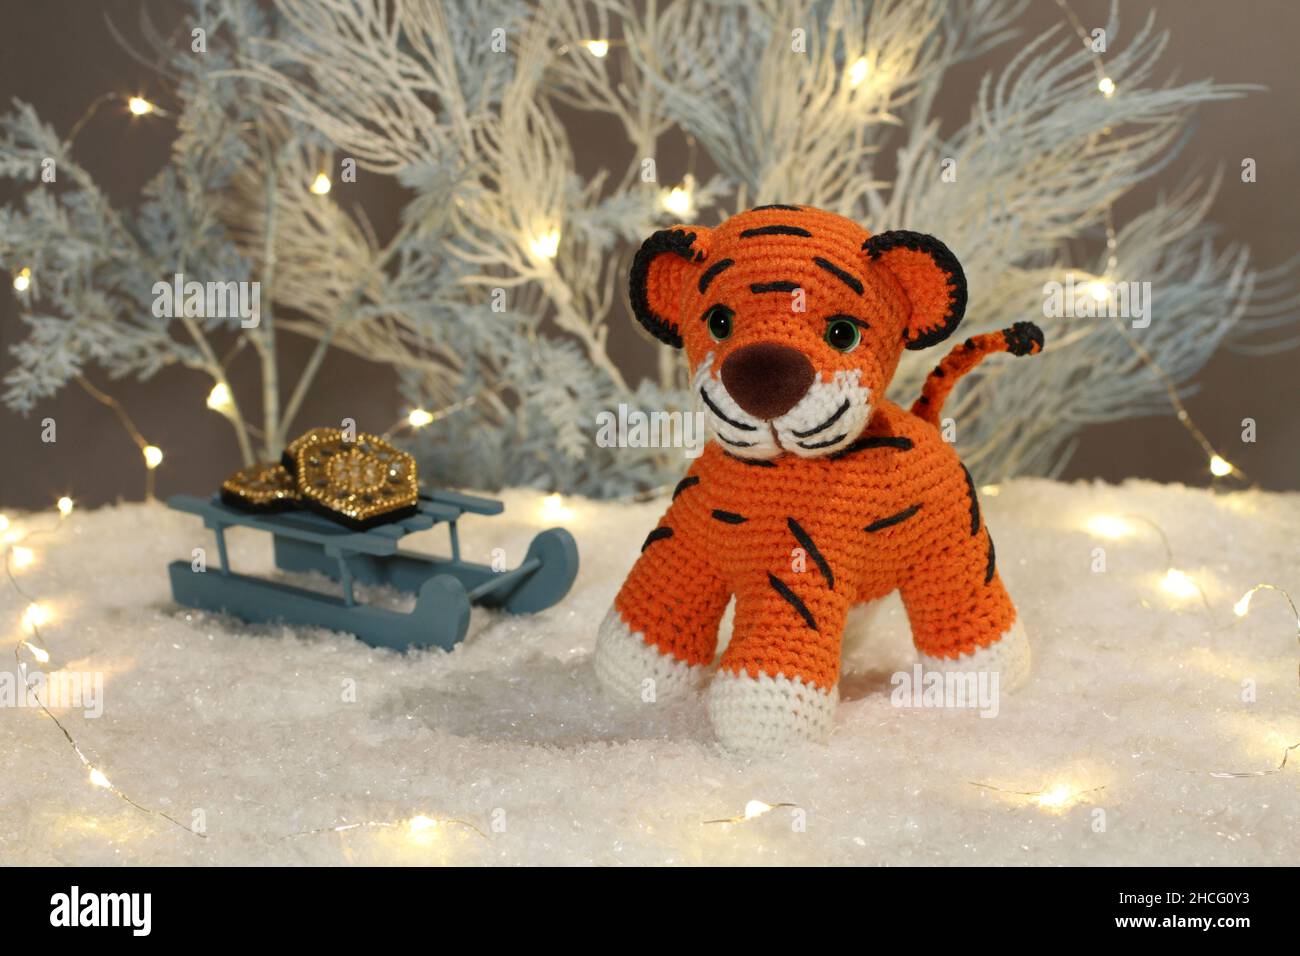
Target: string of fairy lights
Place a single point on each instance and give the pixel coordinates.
(19, 554)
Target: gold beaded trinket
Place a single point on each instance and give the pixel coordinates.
(360, 483)
(262, 487)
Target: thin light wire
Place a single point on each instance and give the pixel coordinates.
(1074, 794)
(746, 816)
(140, 441)
(1183, 416)
(1286, 754)
(1169, 552)
(91, 769)
(403, 424)
(387, 825)
(1171, 390)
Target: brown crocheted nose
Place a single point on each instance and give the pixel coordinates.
(766, 379)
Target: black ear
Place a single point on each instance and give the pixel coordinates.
(932, 278)
(663, 266)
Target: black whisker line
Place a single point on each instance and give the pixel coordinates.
(779, 286)
(839, 412)
(717, 411)
(811, 445)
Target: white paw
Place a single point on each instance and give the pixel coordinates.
(630, 669)
(768, 714)
(1008, 656)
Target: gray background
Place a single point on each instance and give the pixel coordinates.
(58, 55)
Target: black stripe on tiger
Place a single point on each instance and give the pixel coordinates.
(689, 481)
(780, 286)
(775, 231)
(780, 588)
(874, 441)
(755, 462)
(974, 502)
(712, 271)
(658, 534)
(728, 517)
(850, 280)
(892, 520)
(988, 573)
(806, 542)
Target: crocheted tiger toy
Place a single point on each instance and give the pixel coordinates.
(817, 493)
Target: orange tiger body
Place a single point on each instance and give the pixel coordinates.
(815, 493)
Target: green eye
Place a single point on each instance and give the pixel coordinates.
(718, 319)
(843, 335)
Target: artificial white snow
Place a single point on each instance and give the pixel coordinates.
(268, 736)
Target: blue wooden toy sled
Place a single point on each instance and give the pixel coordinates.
(445, 588)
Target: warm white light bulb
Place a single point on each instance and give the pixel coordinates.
(756, 808)
(99, 780)
(1109, 526)
(1055, 798)
(4, 522)
(547, 244)
(421, 823)
(597, 48)
(1178, 584)
(139, 106)
(219, 397)
(36, 615)
(678, 201)
(64, 505)
(153, 456)
(554, 509)
(418, 418)
(858, 71)
(1242, 607)
(21, 557)
(1220, 467)
(40, 653)
(1098, 290)
(23, 280)
(321, 184)
(1107, 86)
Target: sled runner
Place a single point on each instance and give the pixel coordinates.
(445, 588)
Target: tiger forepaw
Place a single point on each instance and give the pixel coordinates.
(766, 714)
(629, 669)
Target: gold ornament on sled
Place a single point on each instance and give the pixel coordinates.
(360, 483)
(262, 487)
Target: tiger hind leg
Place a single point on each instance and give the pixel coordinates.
(962, 618)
